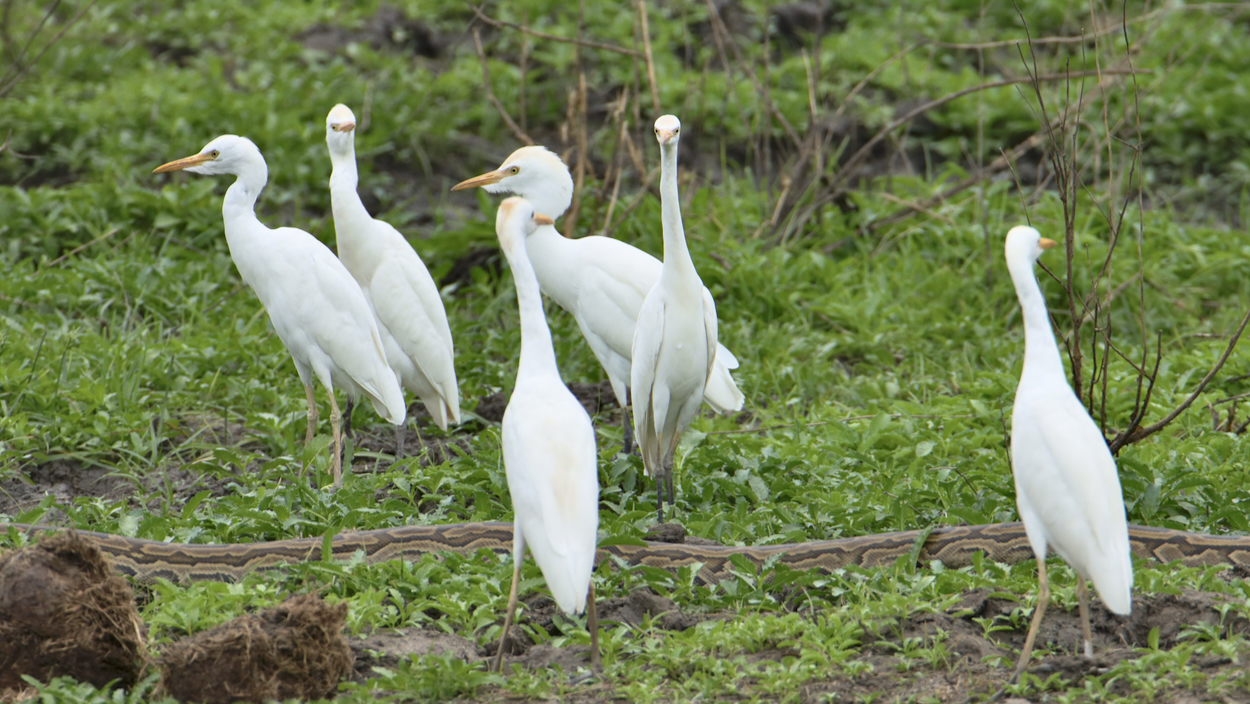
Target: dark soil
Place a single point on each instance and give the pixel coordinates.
(63, 611)
(595, 398)
(67, 480)
(389, 29)
(959, 674)
(295, 650)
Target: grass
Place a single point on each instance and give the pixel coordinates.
(881, 367)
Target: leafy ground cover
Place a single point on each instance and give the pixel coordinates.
(143, 393)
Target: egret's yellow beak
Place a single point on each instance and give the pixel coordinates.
(345, 126)
(543, 219)
(1045, 243)
(184, 163)
(485, 179)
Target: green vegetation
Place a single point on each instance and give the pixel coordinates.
(879, 359)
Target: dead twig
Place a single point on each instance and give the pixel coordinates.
(646, 48)
(1134, 434)
(20, 66)
(490, 94)
(477, 10)
(80, 248)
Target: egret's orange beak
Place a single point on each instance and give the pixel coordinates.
(484, 180)
(346, 126)
(1045, 243)
(184, 163)
(543, 219)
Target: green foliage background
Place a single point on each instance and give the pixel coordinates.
(880, 367)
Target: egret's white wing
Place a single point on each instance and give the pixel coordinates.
(650, 403)
(551, 464)
(321, 314)
(710, 329)
(1065, 470)
(419, 324)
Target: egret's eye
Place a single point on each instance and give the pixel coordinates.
(677, 131)
(215, 153)
(514, 170)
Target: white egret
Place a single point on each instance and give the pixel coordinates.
(600, 281)
(548, 449)
(398, 287)
(675, 339)
(1067, 488)
(317, 309)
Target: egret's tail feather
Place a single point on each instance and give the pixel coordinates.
(721, 392)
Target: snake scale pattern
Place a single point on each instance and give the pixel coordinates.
(148, 560)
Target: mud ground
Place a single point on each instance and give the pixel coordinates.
(889, 675)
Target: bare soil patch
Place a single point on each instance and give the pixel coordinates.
(67, 480)
(595, 398)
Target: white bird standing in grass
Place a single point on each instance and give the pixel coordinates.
(1067, 488)
(675, 339)
(548, 449)
(398, 287)
(600, 281)
(317, 309)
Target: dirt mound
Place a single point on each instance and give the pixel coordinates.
(295, 650)
(64, 612)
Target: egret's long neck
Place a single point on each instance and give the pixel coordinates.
(537, 354)
(1041, 354)
(344, 178)
(240, 201)
(678, 266)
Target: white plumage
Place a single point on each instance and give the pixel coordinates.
(600, 281)
(317, 309)
(1067, 488)
(675, 340)
(404, 298)
(548, 446)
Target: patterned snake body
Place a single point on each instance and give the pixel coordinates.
(148, 560)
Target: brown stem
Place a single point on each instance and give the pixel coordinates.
(477, 10)
(490, 94)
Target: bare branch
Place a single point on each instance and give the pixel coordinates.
(21, 70)
(477, 10)
(1131, 436)
(490, 94)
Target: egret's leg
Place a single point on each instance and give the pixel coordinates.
(1082, 591)
(592, 622)
(627, 424)
(507, 619)
(659, 497)
(399, 441)
(1043, 598)
(347, 423)
(312, 415)
(627, 429)
(336, 421)
(347, 417)
(668, 479)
